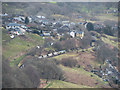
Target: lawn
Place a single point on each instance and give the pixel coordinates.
(63, 84)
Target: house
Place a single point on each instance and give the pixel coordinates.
(38, 47)
(17, 31)
(30, 18)
(40, 57)
(50, 54)
(93, 43)
(44, 56)
(41, 17)
(19, 19)
(65, 22)
(12, 36)
(72, 34)
(76, 34)
(62, 51)
(3, 15)
(45, 22)
(22, 30)
(24, 27)
(55, 53)
(79, 34)
(12, 26)
(46, 33)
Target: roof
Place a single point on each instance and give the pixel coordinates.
(46, 34)
(80, 32)
(13, 24)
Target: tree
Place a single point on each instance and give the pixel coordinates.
(70, 44)
(69, 62)
(104, 53)
(107, 30)
(57, 46)
(26, 20)
(90, 26)
(12, 77)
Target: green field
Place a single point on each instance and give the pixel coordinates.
(17, 47)
(63, 84)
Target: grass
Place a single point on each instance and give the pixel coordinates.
(60, 16)
(63, 84)
(108, 41)
(110, 37)
(53, 2)
(59, 57)
(82, 72)
(49, 48)
(104, 17)
(36, 38)
(17, 60)
(15, 48)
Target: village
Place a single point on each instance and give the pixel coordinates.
(63, 37)
(16, 26)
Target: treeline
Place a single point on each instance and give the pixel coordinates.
(106, 30)
(58, 8)
(30, 75)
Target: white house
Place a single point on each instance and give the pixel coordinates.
(44, 56)
(12, 36)
(12, 26)
(40, 57)
(19, 18)
(55, 53)
(72, 34)
(5, 14)
(41, 17)
(50, 54)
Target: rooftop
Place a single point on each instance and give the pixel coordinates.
(13, 24)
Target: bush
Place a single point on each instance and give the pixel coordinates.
(47, 69)
(57, 46)
(69, 62)
(90, 26)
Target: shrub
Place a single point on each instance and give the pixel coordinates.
(69, 62)
(90, 26)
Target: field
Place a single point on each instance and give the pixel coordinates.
(80, 76)
(63, 84)
(104, 17)
(14, 49)
(110, 40)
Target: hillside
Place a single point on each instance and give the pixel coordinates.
(60, 45)
(13, 49)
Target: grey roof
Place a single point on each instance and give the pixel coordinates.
(80, 32)
(13, 24)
